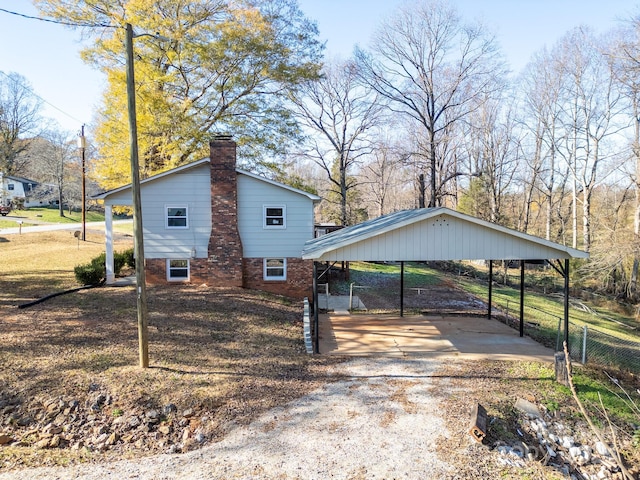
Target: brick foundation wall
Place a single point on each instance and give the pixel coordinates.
(297, 285)
(155, 270)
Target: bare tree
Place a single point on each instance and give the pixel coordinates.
(542, 90)
(433, 68)
(626, 60)
(19, 119)
(53, 157)
(338, 114)
(591, 107)
(383, 178)
(492, 151)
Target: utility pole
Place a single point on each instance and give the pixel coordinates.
(82, 144)
(138, 239)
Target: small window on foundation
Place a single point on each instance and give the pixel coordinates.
(178, 270)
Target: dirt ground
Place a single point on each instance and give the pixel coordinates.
(71, 391)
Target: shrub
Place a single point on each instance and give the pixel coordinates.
(95, 271)
(129, 259)
(90, 273)
(119, 261)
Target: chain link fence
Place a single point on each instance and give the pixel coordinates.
(586, 344)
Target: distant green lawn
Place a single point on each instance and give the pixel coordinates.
(48, 215)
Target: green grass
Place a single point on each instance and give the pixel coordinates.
(52, 215)
(547, 309)
(415, 275)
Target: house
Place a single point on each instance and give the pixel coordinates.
(211, 223)
(18, 192)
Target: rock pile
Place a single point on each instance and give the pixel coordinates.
(99, 424)
(575, 452)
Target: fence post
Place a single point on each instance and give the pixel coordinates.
(584, 345)
(351, 296)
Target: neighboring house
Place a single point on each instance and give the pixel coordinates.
(17, 191)
(209, 222)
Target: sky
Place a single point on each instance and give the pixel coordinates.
(47, 54)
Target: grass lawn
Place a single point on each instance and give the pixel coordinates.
(33, 265)
(47, 215)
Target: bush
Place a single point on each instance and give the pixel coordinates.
(119, 261)
(129, 259)
(95, 271)
(90, 273)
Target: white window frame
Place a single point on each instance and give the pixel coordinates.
(171, 278)
(167, 217)
(266, 268)
(265, 209)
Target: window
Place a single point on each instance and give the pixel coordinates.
(177, 216)
(275, 268)
(177, 270)
(10, 186)
(274, 216)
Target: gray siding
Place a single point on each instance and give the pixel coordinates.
(190, 187)
(258, 242)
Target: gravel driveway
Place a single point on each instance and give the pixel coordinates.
(380, 421)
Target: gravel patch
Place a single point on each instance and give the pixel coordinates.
(380, 420)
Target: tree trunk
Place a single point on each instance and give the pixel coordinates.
(60, 205)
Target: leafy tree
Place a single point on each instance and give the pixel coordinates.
(19, 118)
(225, 68)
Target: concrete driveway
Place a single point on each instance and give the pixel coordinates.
(431, 336)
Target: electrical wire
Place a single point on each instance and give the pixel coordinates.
(69, 24)
(27, 87)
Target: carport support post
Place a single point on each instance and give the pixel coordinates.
(316, 347)
(566, 302)
(402, 289)
(490, 288)
(522, 298)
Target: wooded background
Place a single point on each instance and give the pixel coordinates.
(427, 114)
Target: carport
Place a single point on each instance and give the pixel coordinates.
(431, 234)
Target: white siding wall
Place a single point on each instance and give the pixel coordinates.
(258, 242)
(190, 187)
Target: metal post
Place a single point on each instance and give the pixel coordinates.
(566, 303)
(584, 345)
(143, 337)
(402, 289)
(316, 334)
(490, 288)
(522, 298)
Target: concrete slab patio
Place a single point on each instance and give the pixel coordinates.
(427, 336)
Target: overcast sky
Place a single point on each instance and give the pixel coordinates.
(48, 54)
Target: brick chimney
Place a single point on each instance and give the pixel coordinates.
(225, 247)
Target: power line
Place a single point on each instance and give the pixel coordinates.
(69, 24)
(27, 87)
